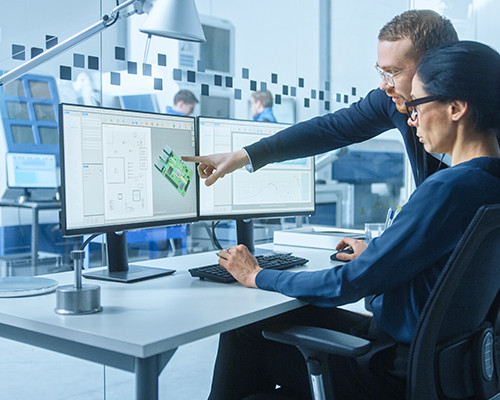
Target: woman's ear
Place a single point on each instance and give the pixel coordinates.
(458, 109)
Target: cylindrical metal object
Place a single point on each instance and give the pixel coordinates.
(78, 256)
(71, 300)
(78, 299)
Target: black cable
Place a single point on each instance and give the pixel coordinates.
(415, 147)
(105, 17)
(215, 241)
(91, 237)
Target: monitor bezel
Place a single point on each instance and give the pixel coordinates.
(254, 215)
(9, 183)
(117, 227)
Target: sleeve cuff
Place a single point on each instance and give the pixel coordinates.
(267, 279)
(249, 166)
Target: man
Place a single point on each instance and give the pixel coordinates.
(184, 103)
(261, 105)
(402, 42)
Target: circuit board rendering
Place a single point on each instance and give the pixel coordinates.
(174, 170)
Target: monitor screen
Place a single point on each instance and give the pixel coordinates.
(279, 189)
(139, 102)
(31, 171)
(122, 169)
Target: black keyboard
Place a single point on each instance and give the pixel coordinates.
(267, 261)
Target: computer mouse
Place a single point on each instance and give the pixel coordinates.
(333, 257)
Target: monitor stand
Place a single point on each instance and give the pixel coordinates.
(119, 269)
(244, 235)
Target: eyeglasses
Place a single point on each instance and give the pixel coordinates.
(388, 76)
(411, 106)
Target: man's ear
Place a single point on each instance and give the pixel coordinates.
(458, 109)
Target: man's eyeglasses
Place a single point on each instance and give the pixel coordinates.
(411, 106)
(388, 76)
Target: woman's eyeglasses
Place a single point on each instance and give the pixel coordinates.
(411, 106)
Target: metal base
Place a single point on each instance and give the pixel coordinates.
(75, 301)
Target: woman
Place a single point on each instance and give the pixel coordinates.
(455, 109)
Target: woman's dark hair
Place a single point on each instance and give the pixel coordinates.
(468, 71)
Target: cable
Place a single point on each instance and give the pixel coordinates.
(415, 147)
(215, 241)
(89, 239)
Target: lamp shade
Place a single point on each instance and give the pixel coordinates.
(176, 19)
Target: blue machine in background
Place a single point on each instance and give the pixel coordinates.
(29, 112)
(29, 109)
(368, 180)
(361, 167)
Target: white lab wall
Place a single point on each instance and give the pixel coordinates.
(473, 19)
(279, 36)
(270, 37)
(487, 26)
(354, 44)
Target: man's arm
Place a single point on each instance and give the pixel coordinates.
(361, 121)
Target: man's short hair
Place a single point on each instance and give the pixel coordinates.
(266, 98)
(426, 29)
(186, 96)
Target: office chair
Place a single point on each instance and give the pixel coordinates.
(455, 350)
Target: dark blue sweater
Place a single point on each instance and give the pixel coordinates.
(363, 120)
(401, 266)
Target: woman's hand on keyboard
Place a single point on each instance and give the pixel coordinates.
(241, 264)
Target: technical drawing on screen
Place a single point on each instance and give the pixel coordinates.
(279, 189)
(122, 170)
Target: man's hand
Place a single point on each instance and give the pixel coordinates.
(215, 166)
(358, 246)
(241, 264)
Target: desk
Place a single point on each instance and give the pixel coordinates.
(142, 324)
(35, 208)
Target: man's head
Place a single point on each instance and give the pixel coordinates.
(401, 44)
(260, 100)
(184, 102)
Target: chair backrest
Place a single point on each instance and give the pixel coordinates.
(452, 352)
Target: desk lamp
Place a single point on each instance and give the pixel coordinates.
(175, 19)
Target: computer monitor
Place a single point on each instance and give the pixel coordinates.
(122, 170)
(31, 171)
(279, 189)
(139, 102)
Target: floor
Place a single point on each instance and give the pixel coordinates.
(27, 372)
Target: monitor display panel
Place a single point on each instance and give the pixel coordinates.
(122, 170)
(279, 189)
(31, 170)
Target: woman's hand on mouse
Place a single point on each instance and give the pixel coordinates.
(358, 246)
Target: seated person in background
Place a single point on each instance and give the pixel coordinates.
(454, 104)
(184, 103)
(261, 105)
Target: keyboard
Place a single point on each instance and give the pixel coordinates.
(267, 261)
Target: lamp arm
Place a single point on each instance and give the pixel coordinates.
(70, 42)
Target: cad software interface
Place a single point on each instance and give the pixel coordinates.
(284, 188)
(123, 167)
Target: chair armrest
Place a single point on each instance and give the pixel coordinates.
(319, 339)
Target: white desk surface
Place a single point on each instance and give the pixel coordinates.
(150, 317)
